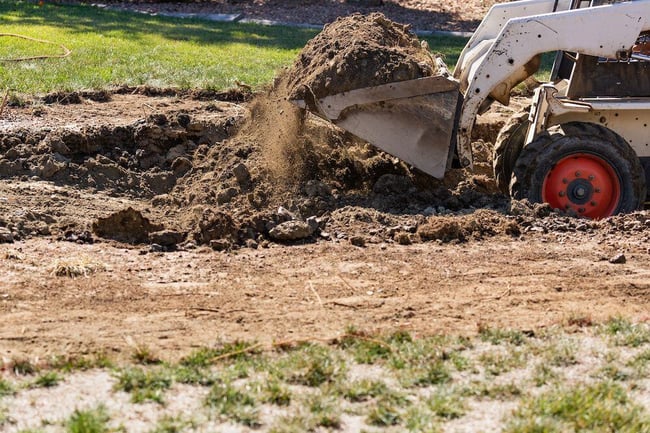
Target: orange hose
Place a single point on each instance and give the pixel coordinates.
(66, 51)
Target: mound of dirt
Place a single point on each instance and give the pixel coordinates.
(358, 51)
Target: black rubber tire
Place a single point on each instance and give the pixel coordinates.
(509, 143)
(538, 158)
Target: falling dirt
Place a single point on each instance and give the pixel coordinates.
(358, 51)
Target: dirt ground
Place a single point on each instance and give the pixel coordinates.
(217, 240)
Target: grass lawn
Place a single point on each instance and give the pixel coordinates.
(111, 48)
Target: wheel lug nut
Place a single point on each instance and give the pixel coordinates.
(594, 204)
(578, 174)
(562, 194)
(565, 180)
(581, 210)
(592, 177)
(597, 190)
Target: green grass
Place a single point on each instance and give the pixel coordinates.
(622, 332)
(47, 380)
(88, 421)
(601, 407)
(144, 385)
(233, 403)
(6, 388)
(111, 48)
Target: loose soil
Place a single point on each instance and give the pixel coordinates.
(192, 192)
(358, 51)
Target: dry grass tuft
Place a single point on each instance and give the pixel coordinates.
(79, 267)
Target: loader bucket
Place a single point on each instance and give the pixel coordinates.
(413, 120)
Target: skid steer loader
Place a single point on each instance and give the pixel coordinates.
(583, 145)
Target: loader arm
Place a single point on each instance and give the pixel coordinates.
(492, 67)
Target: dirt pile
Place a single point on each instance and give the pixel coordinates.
(252, 175)
(358, 51)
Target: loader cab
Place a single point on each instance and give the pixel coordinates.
(585, 147)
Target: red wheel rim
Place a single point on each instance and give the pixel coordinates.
(584, 183)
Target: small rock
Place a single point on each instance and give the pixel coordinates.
(176, 152)
(181, 166)
(241, 173)
(156, 248)
(403, 238)
(6, 237)
(358, 241)
(291, 231)
(618, 259)
(183, 119)
(316, 188)
(220, 244)
(313, 223)
(166, 238)
(225, 196)
(392, 183)
(251, 243)
(285, 215)
(189, 245)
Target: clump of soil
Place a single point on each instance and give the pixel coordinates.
(128, 225)
(358, 51)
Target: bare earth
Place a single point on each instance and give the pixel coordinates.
(449, 15)
(554, 269)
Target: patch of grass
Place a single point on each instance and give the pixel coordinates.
(74, 363)
(446, 404)
(386, 412)
(436, 373)
(599, 407)
(88, 421)
(6, 388)
(171, 424)
(46, 380)
(625, 333)
(23, 367)
(193, 375)
(121, 48)
(612, 372)
(365, 350)
(142, 354)
(641, 364)
(419, 419)
(79, 267)
(483, 390)
(144, 385)
(233, 404)
(544, 374)
(274, 392)
(228, 352)
(300, 423)
(499, 362)
(562, 354)
(364, 389)
(460, 362)
(325, 412)
(498, 336)
(309, 365)
(422, 362)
